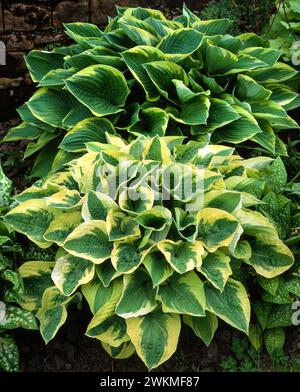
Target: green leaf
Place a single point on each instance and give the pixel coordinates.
(180, 43)
(51, 106)
(23, 215)
(102, 88)
(162, 74)
(216, 268)
(270, 256)
(5, 189)
(89, 130)
(125, 257)
(138, 56)
(232, 305)
(216, 228)
(17, 318)
(154, 336)
(70, 272)
(203, 327)
(90, 241)
(247, 88)
(53, 314)
(36, 276)
(182, 256)
(157, 267)
(138, 297)
(39, 63)
(274, 340)
(9, 354)
(183, 294)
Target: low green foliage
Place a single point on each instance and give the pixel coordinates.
(11, 287)
(284, 30)
(147, 252)
(147, 75)
(246, 16)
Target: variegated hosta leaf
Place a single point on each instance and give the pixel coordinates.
(90, 241)
(121, 227)
(156, 218)
(183, 256)
(203, 327)
(106, 273)
(125, 256)
(97, 295)
(124, 351)
(108, 327)
(270, 256)
(89, 130)
(36, 276)
(254, 223)
(135, 59)
(224, 200)
(64, 199)
(232, 305)
(216, 268)
(154, 336)
(216, 228)
(138, 297)
(136, 200)
(70, 272)
(37, 211)
(102, 88)
(62, 226)
(96, 206)
(158, 268)
(183, 294)
(53, 313)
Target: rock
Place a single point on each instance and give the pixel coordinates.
(18, 42)
(100, 9)
(26, 17)
(47, 38)
(71, 11)
(8, 83)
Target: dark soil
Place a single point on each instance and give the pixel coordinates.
(71, 351)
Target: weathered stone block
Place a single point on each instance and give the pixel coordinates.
(100, 9)
(26, 17)
(18, 42)
(71, 11)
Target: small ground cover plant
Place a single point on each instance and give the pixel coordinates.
(153, 233)
(12, 316)
(147, 75)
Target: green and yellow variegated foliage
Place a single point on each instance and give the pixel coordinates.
(154, 234)
(147, 75)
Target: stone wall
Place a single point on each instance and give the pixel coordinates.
(28, 24)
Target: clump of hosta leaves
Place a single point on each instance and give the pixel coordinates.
(154, 233)
(147, 75)
(12, 316)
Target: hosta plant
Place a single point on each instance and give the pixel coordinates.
(154, 234)
(147, 75)
(12, 316)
